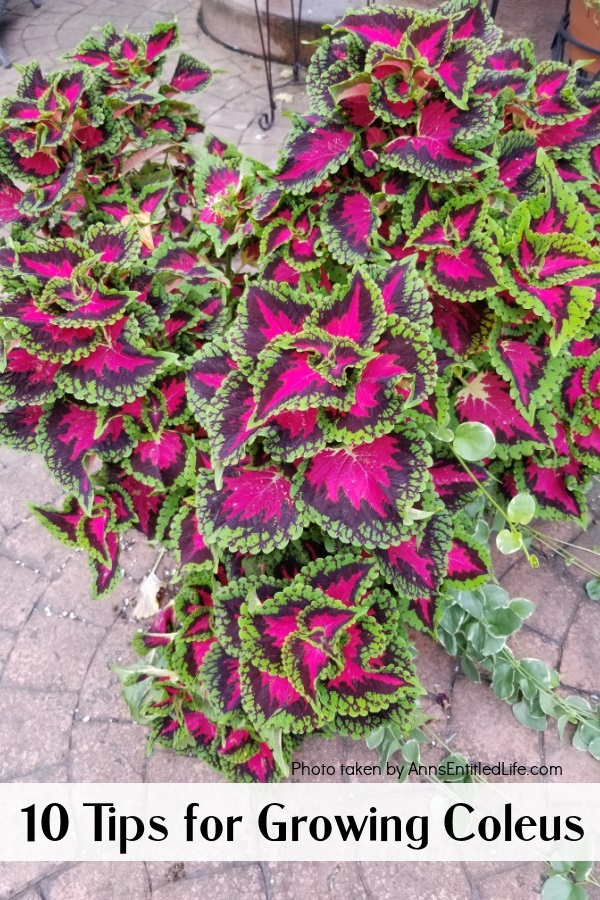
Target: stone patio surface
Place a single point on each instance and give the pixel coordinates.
(62, 715)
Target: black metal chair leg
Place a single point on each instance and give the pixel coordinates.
(266, 119)
(37, 3)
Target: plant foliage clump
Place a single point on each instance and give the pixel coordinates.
(303, 382)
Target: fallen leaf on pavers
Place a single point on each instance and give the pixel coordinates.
(147, 604)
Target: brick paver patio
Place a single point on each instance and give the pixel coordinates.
(62, 715)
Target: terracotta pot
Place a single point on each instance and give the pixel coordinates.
(584, 26)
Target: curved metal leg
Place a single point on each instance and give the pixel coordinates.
(266, 119)
(37, 3)
(296, 23)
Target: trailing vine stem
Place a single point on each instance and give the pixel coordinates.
(573, 875)
(531, 558)
(542, 538)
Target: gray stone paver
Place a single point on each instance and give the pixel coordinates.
(66, 708)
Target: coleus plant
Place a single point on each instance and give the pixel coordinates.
(303, 382)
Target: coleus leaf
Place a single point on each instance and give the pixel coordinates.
(349, 224)
(257, 761)
(290, 435)
(285, 380)
(416, 567)
(163, 37)
(221, 680)
(432, 152)
(63, 524)
(486, 398)
(585, 438)
(19, 427)
(554, 489)
(471, 19)
(468, 563)
(114, 372)
(159, 633)
(470, 272)
(40, 331)
(208, 372)
(106, 576)
(95, 530)
(359, 493)
(194, 641)
(272, 702)
(342, 577)
(428, 39)
(101, 307)
(158, 461)
(114, 244)
(68, 434)
(228, 602)
(530, 369)
(227, 423)
(377, 26)
(516, 156)
(264, 316)
(28, 379)
(461, 326)
(358, 315)
(420, 612)
(252, 512)
(404, 292)
(309, 157)
(10, 197)
(453, 485)
(458, 71)
(190, 74)
(553, 97)
(401, 374)
(372, 677)
(53, 259)
(565, 306)
(294, 612)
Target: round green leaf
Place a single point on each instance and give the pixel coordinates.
(474, 441)
(582, 870)
(577, 702)
(411, 752)
(521, 509)
(508, 541)
(593, 589)
(538, 670)
(495, 596)
(563, 868)
(523, 608)
(524, 715)
(471, 671)
(503, 681)
(470, 602)
(503, 622)
(557, 888)
(375, 738)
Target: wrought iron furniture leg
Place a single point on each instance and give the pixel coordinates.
(494, 9)
(266, 119)
(296, 23)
